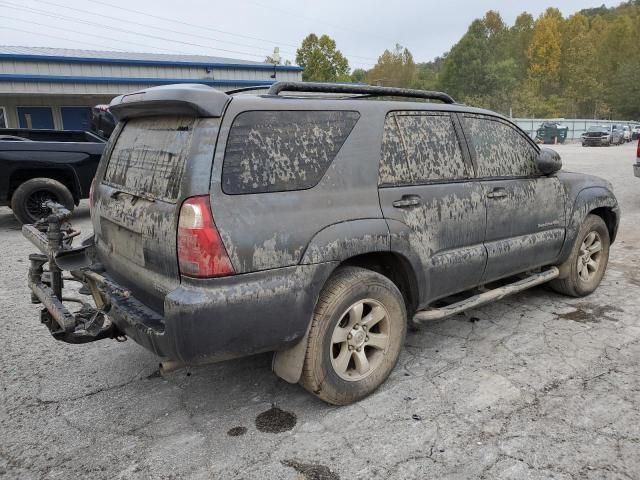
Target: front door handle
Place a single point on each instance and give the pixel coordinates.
(497, 193)
(408, 201)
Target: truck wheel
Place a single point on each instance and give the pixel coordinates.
(588, 260)
(26, 201)
(356, 335)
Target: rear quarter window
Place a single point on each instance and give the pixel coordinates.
(275, 151)
(149, 156)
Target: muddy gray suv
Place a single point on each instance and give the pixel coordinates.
(313, 221)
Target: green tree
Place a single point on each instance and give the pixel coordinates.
(518, 41)
(359, 75)
(321, 60)
(396, 69)
(479, 69)
(579, 73)
(428, 74)
(465, 70)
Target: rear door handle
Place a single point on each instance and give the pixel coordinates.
(408, 201)
(497, 193)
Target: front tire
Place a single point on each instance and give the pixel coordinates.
(356, 335)
(26, 201)
(588, 260)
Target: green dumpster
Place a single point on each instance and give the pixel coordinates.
(551, 133)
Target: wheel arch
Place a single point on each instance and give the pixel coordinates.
(287, 364)
(598, 201)
(610, 218)
(65, 176)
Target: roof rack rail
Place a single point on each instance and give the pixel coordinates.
(367, 90)
(247, 89)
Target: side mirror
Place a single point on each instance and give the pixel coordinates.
(548, 161)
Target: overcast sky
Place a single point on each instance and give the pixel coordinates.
(249, 29)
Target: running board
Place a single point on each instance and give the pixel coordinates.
(486, 297)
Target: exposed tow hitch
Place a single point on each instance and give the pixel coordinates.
(54, 236)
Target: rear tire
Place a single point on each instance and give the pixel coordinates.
(27, 199)
(356, 335)
(588, 260)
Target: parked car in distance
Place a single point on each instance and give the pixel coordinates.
(626, 133)
(618, 133)
(635, 132)
(596, 136)
(40, 165)
(315, 223)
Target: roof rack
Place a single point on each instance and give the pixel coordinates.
(366, 90)
(247, 89)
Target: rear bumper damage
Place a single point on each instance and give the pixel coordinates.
(204, 320)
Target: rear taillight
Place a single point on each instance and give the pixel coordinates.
(638, 151)
(201, 252)
(91, 190)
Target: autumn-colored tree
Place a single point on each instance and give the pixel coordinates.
(394, 68)
(584, 65)
(587, 65)
(321, 60)
(545, 52)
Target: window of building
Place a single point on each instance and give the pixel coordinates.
(3, 118)
(274, 151)
(421, 147)
(35, 117)
(501, 150)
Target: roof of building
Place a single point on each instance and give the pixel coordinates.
(39, 54)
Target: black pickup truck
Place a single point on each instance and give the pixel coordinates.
(40, 165)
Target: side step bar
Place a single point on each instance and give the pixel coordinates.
(486, 297)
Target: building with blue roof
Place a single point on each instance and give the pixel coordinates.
(56, 88)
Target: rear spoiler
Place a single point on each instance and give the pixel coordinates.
(191, 99)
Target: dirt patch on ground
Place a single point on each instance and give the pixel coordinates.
(589, 313)
(312, 471)
(237, 431)
(275, 420)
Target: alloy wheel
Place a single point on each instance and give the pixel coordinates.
(589, 256)
(360, 340)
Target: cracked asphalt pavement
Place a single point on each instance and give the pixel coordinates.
(535, 386)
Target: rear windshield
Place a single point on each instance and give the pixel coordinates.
(148, 158)
(276, 151)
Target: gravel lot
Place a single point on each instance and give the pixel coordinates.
(535, 386)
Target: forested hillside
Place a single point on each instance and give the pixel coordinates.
(586, 65)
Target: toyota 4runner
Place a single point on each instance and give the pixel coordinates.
(314, 221)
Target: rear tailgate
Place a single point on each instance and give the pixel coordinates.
(154, 163)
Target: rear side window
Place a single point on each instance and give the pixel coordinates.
(275, 151)
(420, 147)
(501, 150)
(149, 156)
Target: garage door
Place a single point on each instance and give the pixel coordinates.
(35, 117)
